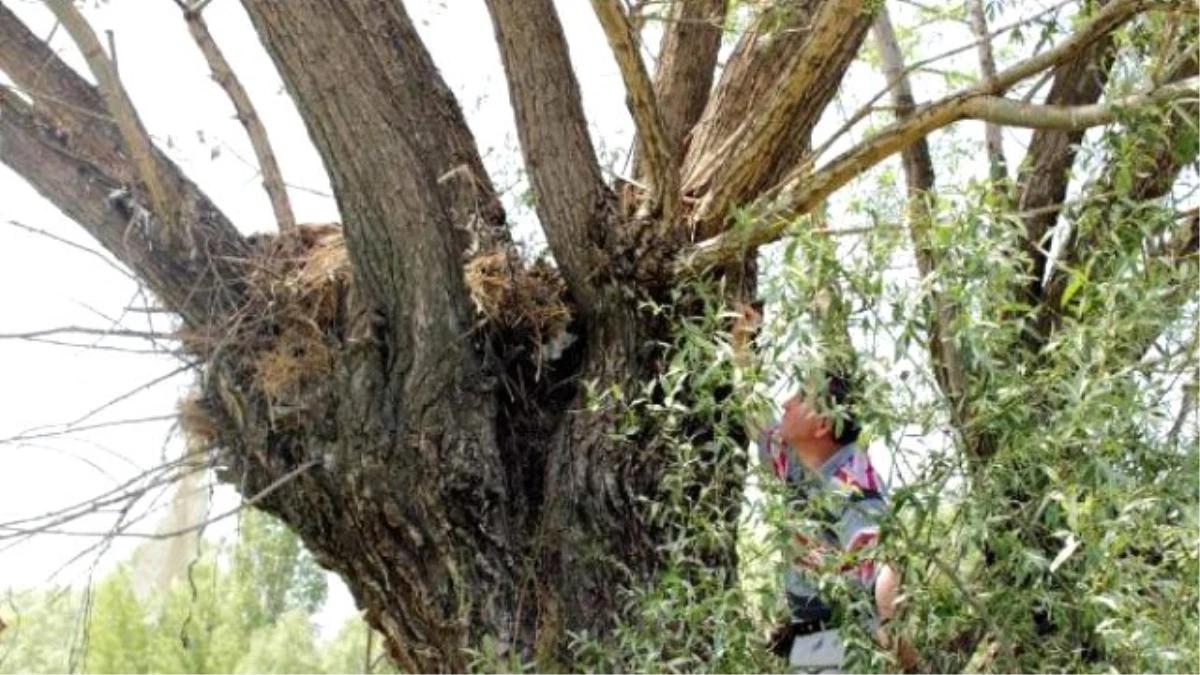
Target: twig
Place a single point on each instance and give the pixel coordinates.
(31, 435)
(251, 501)
(82, 330)
(199, 6)
(112, 50)
(223, 74)
(91, 251)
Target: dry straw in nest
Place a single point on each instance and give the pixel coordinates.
(518, 297)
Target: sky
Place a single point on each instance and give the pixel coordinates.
(50, 394)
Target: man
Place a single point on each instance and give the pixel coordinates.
(812, 449)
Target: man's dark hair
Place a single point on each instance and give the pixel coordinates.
(840, 400)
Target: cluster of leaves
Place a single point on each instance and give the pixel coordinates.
(1072, 546)
(245, 608)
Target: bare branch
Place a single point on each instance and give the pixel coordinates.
(655, 146)
(90, 251)
(248, 116)
(802, 190)
(164, 202)
(34, 435)
(999, 110)
(569, 189)
(987, 70)
(920, 180)
(687, 62)
(67, 146)
(83, 330)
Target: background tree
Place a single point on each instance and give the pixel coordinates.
(473, 440)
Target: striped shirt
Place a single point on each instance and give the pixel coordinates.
(853, 501)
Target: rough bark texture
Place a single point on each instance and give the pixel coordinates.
(572, 200)
(787, 70)
(687, 62)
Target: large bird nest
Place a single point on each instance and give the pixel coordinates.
(302, 300)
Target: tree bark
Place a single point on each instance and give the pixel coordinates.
(573, 203)
(1045, 172)
(687, 62)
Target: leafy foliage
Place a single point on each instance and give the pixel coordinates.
(245, 608)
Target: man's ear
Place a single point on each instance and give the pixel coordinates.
(824, 428)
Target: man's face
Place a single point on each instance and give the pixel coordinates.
(801, 422)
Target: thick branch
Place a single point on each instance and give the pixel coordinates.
(69, 148)
(745, 162)
(163, 200)
(802, 190)
(572, 200)
(987, 70)
(201, 290)
(415, 204)
(747, 81)
(248, 116)
(999, 110)
(687, 62)
(654, 145)
(412, 190)
(1045, 172)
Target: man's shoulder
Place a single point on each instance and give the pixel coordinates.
(851, 468)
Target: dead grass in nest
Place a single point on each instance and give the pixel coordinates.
(297, 358)
(297, 286)
(300, 287)
(518, 297)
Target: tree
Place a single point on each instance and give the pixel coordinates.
(418, 403)
(245, 607)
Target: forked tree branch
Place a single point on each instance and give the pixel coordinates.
(802, 189)
(656, 148)
(248, 116)
(570, 193)
(163, 200)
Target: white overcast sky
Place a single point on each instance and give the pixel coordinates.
(47, 284)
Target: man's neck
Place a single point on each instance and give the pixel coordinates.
(814, 454)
